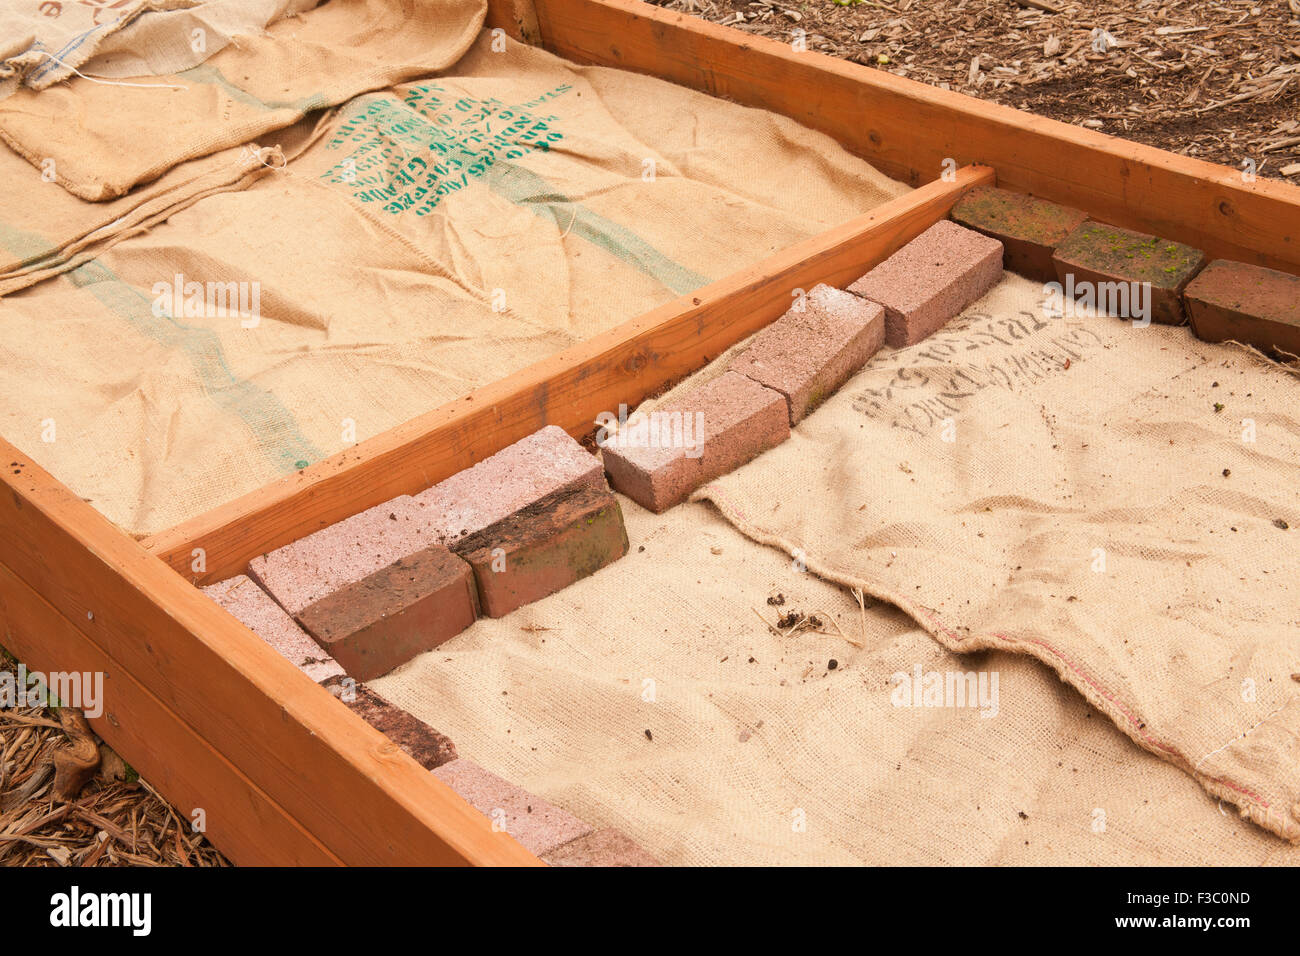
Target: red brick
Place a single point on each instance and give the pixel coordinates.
(544, 547)
(600, 848)
(930, 280)
(417, 739)
(304, 572)
(724, 423)
(813, 349)
(539, 826)
(388, 617)
(547, 462)
(1250, 304)
(1096, 253)
(256, 610)
(1029, 228)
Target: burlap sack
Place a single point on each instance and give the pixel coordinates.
(43, 42)
(759, 753)
(104, 137)
(1121, 503)
(371, 315)
(34, 45)
(45, 230)
(174, 40)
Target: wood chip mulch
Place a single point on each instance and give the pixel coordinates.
(115, 820)
(1214, 79)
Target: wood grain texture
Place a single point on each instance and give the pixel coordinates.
(162, 747)
(517, 17)
(907, 129)
(305, 769)
(623, 365)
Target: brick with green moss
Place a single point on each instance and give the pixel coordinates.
(1097, 252)
(1029, 228)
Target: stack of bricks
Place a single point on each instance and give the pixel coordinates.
(360, 597)
(354, 600)
(399, 579)
(1053, 243)
(374, 590)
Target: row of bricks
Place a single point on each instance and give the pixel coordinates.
(799, 360)
(369, 592)
(796, 363)
(556, 836)
(1224, 300)
(378, 588)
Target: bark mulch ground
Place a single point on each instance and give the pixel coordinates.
(115, 819)
(1214, 79)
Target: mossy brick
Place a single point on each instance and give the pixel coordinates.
(547, 462)
(812, 350)
(258, 612)
(1099, 253)
(1249, 304)
(929, 281)
(1029, 228)
(416, 739)
(386, 618)
(604, 847)
(544, 548)
(537, 825)
(731, 420)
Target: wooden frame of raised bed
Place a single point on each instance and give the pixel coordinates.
(216, 719)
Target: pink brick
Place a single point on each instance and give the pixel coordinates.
(385, 619)
(255, 609)
(539, 826)
(300, 574)
(547, 462)
(600, 848)
(713, 430)
(930, 280)
(812, 350)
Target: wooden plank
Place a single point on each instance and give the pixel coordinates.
(517, 17)
(248, 827)
(623, 365)
(353, 790)
(907, 129)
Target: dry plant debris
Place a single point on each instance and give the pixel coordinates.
(109, 817)
(1214, 79)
